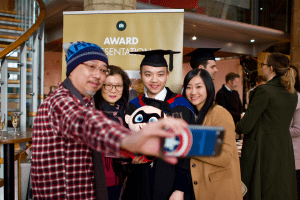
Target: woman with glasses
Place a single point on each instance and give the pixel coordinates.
(267, 161)
(112, 99)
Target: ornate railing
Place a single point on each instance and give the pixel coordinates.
(22, 58)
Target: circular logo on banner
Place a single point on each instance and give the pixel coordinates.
(121, 25)
(179, 146)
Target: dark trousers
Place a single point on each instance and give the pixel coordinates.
(298, 182)
(114, 192)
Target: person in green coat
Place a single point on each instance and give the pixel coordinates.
(267, 160)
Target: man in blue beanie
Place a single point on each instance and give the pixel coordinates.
(67, 129)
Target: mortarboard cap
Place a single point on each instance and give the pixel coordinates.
(155, 58)
(201, 54)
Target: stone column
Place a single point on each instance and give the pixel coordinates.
(295, 32)
(109, 5)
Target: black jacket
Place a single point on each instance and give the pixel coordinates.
(230, 100)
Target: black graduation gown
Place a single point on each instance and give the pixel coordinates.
(159, 182)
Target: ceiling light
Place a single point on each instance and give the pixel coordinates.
(260, 8)
(217, 59)
(194, 38)
(252, 40)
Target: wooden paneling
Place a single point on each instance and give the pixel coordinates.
(7, 5)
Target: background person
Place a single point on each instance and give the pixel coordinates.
(204, 58)
(132, 92)
(138, 86)
(267, 160)
(213, 178)
(259, 80)
(112, 99)
(229, 98)
(295, 131)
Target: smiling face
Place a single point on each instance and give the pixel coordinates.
(113, 95)
(211, 68)
(234, 83)
(196, 92)
(87, 79)
(154, 79)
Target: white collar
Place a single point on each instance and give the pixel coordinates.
(160, 96)
(227, 88)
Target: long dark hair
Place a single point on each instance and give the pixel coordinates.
(210, 90)
(114, 70)
(118, 168)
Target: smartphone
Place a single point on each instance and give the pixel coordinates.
(197, 140)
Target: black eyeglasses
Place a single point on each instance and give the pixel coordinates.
(119, 88)
(94, 69)
(262, 64)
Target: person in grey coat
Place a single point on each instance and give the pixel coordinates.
(295, 131)
(267, 161)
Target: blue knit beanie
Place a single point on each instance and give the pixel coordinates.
(79, 52)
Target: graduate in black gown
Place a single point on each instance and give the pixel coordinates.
(158, 180)
(204, 58)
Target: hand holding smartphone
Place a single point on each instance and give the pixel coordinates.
(195, 141)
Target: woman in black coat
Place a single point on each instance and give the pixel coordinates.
(112, 99)
(267, 161)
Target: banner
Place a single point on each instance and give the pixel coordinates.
(123, 31)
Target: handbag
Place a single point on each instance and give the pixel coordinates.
(244, 189)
